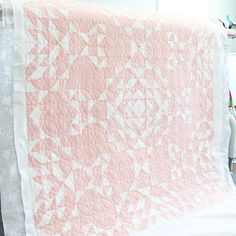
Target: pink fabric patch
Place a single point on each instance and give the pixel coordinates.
(119, 118)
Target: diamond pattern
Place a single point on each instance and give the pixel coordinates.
(119, 118)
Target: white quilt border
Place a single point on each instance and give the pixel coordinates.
(20, 115)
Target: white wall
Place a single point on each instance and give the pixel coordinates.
(221, 8)
(211, 8)
(186, 7)
(138, 4)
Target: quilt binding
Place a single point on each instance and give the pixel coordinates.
(19, 112)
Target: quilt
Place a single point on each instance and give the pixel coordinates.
(120, 117)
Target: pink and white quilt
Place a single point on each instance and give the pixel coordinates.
(117, 122)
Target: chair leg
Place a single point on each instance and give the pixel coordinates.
(1, 223)
(230, 164)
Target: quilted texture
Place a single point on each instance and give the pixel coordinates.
(120, 118)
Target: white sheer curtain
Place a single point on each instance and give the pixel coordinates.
(10, 191)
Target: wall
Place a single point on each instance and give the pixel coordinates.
(138, 4)
(186, 7)
(221, 8)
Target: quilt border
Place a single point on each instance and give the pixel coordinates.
(20, 118)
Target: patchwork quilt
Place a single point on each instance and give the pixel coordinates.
(119, 117)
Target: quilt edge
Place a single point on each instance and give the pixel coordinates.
(220, 104)
(20, 115)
